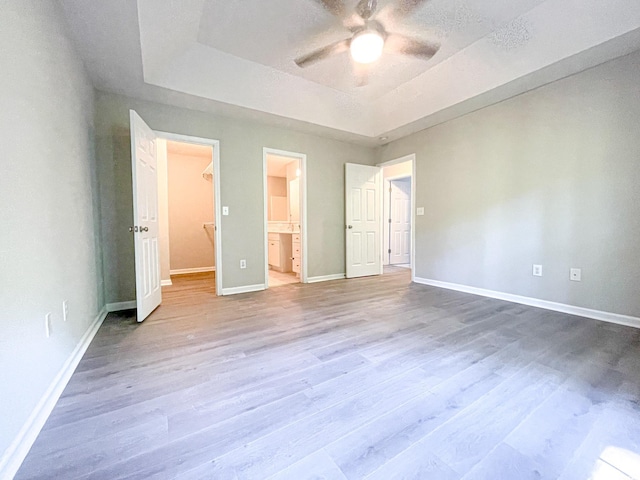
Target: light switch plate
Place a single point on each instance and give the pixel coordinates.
(225, 210)
(420, 211)
(537, 270)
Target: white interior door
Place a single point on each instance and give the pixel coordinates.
(363, 189)
(145, 216)
(400, 224)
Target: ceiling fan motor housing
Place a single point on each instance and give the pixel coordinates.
(366, 45)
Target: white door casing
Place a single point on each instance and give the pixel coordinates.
(145, 216)
(400, 224)
(363, 202)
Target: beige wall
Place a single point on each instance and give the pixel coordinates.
(277, 186)
(550, 177)
(241, 164)
(50, 240)
(190, 206)
(293, 191)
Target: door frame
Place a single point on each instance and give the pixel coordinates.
(216, 193)
(302, 157)
(412, 158)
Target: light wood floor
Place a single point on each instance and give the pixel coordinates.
(370, 378)
(277, 279)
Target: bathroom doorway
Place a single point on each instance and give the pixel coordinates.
(285, 216)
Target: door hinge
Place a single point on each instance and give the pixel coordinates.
(389, 251)
(389, 220)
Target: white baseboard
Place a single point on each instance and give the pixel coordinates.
(536, 302)
(326, 278)
(19, 448)
(187, 271)
(244, 289)
(116, 307)
(166, 283)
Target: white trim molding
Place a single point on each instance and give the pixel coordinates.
(187, 271)
(620, 319)
(119, 306)
(19, 448)
(166, 283)
(326, 278)
(244, 289)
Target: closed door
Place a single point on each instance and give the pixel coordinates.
(145, 216)
(363, 189)
(400, 222)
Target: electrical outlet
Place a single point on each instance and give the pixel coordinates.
(47, 324)
(65, 310)
(537, 270)
(420, 211)
(225, 210)
(575, 275)
(243, 263)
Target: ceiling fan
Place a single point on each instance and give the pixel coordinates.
(368, 36)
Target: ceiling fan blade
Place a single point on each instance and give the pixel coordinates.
(405, 8)
(410, 46)
(366, 8)
(335, 7)
(322, 53)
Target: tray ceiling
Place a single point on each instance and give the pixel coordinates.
(240, 54)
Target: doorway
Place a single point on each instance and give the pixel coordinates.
(398, 218)
(188, 189)
(149, 176)
(285, 217)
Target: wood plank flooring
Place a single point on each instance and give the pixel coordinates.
(277, 279)
(372, 378)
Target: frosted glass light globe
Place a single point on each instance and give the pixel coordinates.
(366, 46)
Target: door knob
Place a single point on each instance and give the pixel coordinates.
(144, 229)
(349, 226)
(133, 229)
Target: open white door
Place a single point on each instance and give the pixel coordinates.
(363, 189)
(400, 222)
(145, 216)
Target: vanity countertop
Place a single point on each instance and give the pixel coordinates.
(283, 227)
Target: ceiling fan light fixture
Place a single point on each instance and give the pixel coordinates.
(366, 46)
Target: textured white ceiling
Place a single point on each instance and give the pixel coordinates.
(274, 34)
(236, 56)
